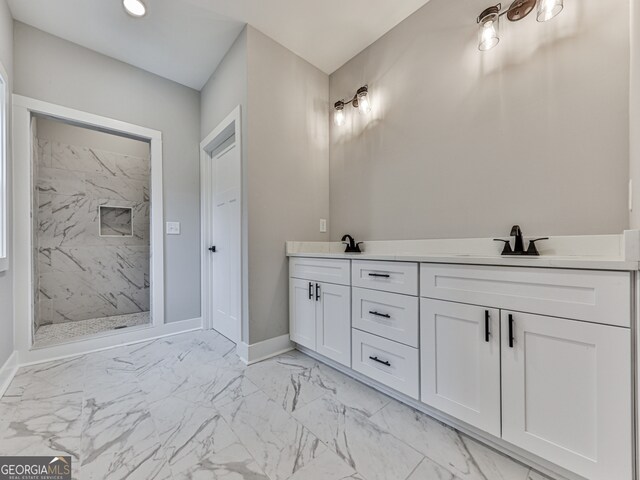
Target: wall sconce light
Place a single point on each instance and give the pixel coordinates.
(360, 100)
(489, 19)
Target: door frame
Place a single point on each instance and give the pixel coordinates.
(231, 125)
(23, 110)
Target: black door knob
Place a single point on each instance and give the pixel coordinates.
(212, 249)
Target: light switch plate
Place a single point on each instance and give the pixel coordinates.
(323, 225)
(173, 228)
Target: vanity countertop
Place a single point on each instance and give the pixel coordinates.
(592, 252)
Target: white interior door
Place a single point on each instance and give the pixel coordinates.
(223, 255)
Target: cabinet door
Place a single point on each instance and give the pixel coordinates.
(460, 362)
(333, 322)
(302, 312)
(566, 393)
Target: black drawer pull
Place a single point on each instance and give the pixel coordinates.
(310, 291)
(511, 335)
(486, 326)
(376, 359)
(377, 314)
(380, 275)
(317, 292)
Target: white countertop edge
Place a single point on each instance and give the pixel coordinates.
(589, 252)
(581, 263)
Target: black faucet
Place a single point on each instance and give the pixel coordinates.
(518, 248)
(516, 232)
(352, 246)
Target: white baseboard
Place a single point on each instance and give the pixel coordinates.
(257, 352)
(8, 371)
(114, 339)
(517, 454)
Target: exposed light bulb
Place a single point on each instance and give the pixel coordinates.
(364, 105)
(338, 116)
(489, 35)
(547, 9)
(135, 8)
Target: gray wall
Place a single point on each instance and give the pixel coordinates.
(226, 88)
(54, 70)
(223, 92)
(6, 278)
(285, 165)
(464, 144)
(288, 173)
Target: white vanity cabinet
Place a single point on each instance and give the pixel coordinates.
(537, 361)
(385, 323)
(302, 312)
(333, 322)
(460, 372)
(320, 311)
(566, 393)
(565, 383)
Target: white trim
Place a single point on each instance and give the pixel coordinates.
(85, 118)
(5, 146)
(23, 109)
(231, 121)
(8, 371)
(108, 342)
(257, 352)
(515, 453)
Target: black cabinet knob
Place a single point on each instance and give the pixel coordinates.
(212, 249)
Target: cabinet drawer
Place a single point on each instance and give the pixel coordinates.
(387, 362)
(388, 315)
(396, 277)
(594, 296)
(321, 270)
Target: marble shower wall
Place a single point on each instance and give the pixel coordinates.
(80, 274)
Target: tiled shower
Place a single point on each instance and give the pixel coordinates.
(91, 227)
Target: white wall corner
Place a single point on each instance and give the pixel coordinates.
(8, 371)
(257, 352)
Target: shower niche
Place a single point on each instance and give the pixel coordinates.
(91, 222)
(115, 221)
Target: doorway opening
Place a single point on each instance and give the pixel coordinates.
(91, 220)
(89, 263)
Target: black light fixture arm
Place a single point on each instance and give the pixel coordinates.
(518, 10)
(354, 100)
(495, 9)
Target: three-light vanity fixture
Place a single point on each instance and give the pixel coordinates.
(489, 19)
(360, 100)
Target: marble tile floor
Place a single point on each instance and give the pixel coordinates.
(185, 407)
(57, 333)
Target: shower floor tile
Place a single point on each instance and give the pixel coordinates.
(57, 333)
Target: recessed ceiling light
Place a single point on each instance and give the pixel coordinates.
(135, 8)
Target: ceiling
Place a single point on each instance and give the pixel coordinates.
(185, 40)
